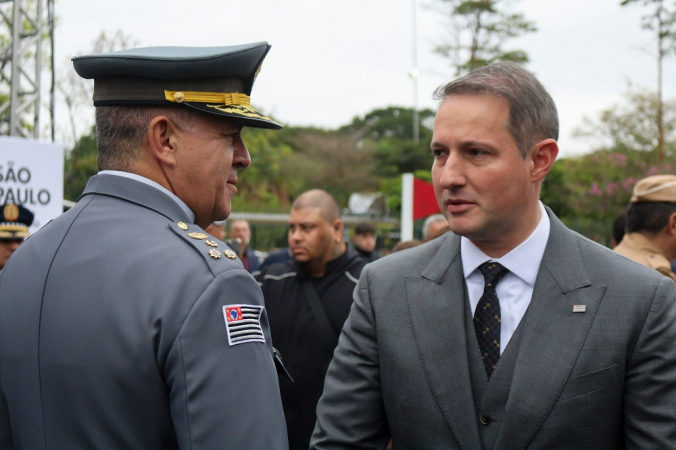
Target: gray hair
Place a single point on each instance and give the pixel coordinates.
(120, 131)
(429, 221)
(532, 112)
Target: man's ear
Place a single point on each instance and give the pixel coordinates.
(338, 227)
(671, 224)
(542, 157)
(163, 140)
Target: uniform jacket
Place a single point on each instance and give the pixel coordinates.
(113, 333)
(604, 378)
(298, 336)
(638, 248)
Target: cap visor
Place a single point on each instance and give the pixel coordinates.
(248, 115)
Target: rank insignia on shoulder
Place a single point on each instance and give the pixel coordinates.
(211, 243)
(182, 226)
(197, 235)
(243, 323)
(230, 254)
(215, 254)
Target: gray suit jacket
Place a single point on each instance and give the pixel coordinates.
(602, 379)
(113, 334)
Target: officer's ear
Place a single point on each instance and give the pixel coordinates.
(163, 140)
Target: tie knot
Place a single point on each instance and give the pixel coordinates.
(492, 272)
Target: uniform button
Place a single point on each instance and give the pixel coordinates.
(485, 419)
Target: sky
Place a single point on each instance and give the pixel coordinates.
(334, 60)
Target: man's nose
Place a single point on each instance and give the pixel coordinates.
(241, 158)
(453, 172)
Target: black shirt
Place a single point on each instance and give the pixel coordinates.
(298, 336)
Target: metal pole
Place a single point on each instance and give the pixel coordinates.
(14, 123)
(415, 72)
(406, 207)
(38, 68)
(52, 98)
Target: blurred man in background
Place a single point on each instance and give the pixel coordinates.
(434, 226)
(308, 300)
(651, 224)
(365, 241)
(217, 230)
(239, 229)
(14, 224)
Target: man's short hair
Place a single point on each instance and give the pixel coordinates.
(620, 226)
(650, 217)
(120, 131)
(364, 228)
(233, 221)
(429, 221)
(532, 112)
(317, 198)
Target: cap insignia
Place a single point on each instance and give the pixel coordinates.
(199, 236)
(223, 98)
(11, 212)
(215, 254)
(182, 226)
(230, 254)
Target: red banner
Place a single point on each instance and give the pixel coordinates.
(424, 201)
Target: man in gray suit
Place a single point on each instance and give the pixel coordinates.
(512, 331)
(123, 324)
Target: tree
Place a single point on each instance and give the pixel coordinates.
(479, 29)
(77, 92)
(387, 134)
(661, 21)
(632, 125)
(598, 185)
(80, 165)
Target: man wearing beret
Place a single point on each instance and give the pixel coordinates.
(14, 223)
(651, 224)
(122, 323)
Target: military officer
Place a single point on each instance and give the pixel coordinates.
(14, 223)
(122, 323)
(651, 224)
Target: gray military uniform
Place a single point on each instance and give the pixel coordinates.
(114, 333)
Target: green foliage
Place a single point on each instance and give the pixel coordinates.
(80, 165)
(264, 186)
(388, 133)
(334, 161)
(597, 186)
(479, 29)
(631, 125)
(662, 20)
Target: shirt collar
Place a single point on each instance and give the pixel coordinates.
(152, 183)
(523, 261)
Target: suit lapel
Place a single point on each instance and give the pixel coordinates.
(553, 336)
(436, 305)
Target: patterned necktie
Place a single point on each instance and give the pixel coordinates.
(487, 316)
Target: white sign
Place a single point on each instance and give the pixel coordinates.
(31, 174)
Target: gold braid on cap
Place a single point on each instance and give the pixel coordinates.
(227, 99)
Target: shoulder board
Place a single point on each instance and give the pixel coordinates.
(218, 256)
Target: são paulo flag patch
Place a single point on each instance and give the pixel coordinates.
(243, 323)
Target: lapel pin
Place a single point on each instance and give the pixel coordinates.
(579, 308)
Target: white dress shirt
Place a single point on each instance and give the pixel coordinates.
(150, 182)
(515, 290)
